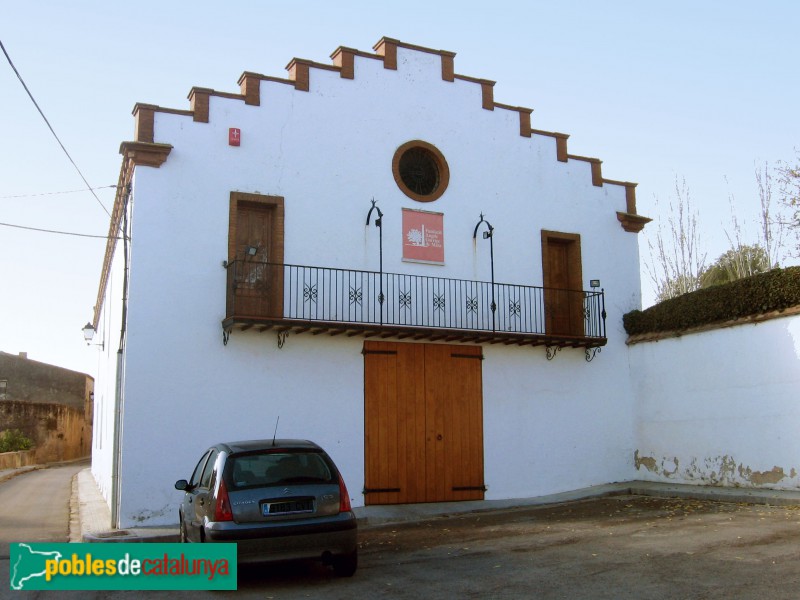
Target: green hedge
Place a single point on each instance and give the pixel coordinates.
(776, 290)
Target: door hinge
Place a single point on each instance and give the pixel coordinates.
(379, 490)
(475, 356)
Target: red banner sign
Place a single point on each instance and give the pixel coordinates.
(423, 236)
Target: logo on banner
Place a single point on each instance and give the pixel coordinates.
(122, 566)
(423, 236)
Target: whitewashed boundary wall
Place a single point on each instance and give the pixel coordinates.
(721, 407)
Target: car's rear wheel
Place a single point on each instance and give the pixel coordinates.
(345, 565)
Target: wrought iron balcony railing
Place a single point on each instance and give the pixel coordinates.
(267, 293)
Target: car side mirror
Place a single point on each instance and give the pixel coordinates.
(182, 485)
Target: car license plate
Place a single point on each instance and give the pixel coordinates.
(288, 507)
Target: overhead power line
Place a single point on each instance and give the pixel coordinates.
(102, 187)
(10, 62)
(86, 235)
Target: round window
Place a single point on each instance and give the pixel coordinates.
(420, 170)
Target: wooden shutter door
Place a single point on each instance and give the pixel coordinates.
(423, 418)
(253, 289)
(255, 281)
(394, 421)
(563, 282)
(454, 439)
(465, 450)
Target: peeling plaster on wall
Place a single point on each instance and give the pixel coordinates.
(652, 465)
(718, 471)
(670, 473)
(762, 477)
(727, 469)
(648, 462)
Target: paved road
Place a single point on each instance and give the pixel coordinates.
(34, 507)
(626, 547)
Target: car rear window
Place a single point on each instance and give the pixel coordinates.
(278, 468)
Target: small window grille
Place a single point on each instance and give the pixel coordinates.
(420, 171)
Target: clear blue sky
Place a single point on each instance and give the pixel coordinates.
(698, 90)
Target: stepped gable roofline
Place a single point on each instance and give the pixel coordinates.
(300, 72)
(145, 151)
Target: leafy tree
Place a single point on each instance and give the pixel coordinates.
(736, 263)
(13, 440)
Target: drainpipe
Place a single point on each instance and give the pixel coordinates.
(115, 457)
(119, 395)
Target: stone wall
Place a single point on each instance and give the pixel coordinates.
(14, 460)
(59, 432)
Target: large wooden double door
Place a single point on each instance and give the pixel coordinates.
(423, 413)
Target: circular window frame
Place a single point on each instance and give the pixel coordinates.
(437, 158)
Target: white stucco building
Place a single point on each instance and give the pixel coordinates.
(424, 354)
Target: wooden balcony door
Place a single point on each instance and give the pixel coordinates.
(563, 283)
(423, 411)
(255, 250)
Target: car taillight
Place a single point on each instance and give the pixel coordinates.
(344, 497)
(222, 512)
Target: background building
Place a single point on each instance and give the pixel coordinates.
(50, 405)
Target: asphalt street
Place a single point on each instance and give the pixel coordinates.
(35, 508)
(617, 547)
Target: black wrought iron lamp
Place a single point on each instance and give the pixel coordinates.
(379, 225)
(488, 235)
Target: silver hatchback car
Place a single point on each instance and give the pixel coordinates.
(277, 499)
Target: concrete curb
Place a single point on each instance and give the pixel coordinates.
(135, 534)
(74, 512)
(7, 474)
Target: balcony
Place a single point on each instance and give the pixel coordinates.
(293, 298)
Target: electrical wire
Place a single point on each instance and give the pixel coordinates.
(86, 235)
(102, 187)
(10, 62)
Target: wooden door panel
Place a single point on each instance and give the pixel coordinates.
(411, 422)
(466, 450)
(437, 408)
(556, 296)
(382, 485)
(258, 290)
(423, 423)
(563, 282)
